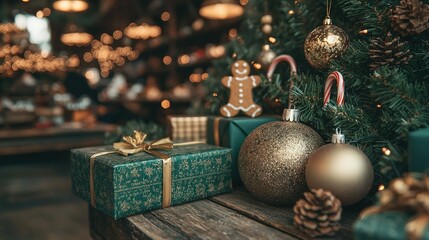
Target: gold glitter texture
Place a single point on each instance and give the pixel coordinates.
(325, 43)
(272, 161)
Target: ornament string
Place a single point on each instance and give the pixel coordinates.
(338, 77)
(293, 72)
(328, 8)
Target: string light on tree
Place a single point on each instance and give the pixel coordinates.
(107, 56)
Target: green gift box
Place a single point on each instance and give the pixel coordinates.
(418, 150)
(230, 133)
(384, 226)
(128, 185)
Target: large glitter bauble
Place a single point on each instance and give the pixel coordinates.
(266, 56)
(272, 161)
(341, 169)
(325, 43)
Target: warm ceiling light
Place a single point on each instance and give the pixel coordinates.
(142, 31)
(75, 36)
(221, 9)
(71, 5)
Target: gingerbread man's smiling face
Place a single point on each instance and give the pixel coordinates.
(240, 69)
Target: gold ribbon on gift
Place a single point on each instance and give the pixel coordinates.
(135, 144)
(408, 194)
(216, 134)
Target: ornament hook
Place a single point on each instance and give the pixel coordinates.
(338, 137)
(291, 114)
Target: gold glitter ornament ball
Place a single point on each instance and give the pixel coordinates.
(341, 169)
(325, 43)
(272, 161)
(266, 56)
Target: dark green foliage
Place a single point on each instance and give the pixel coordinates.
(381, 106)
(153, 131)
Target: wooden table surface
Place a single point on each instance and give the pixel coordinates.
(59, 138)
(236, 215)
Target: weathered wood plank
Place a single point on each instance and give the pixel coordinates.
(278, 217)
(144, 226)
(207, 220)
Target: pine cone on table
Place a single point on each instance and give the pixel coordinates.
(388, 52)
(318, 213)
(410, 17)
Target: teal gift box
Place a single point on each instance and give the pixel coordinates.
(230, 133)
(128, 185)
(384, 226)
(418, 150)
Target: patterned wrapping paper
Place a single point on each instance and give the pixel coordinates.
(130, 185)
(187, 128)
(384, 226)
(231, 133)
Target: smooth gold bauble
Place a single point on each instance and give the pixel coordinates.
(272, 161)
(325, 43)
(267, 29)
(267, 19)
(266, 56)
(341, 169)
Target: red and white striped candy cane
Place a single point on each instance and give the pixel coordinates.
(292, 63)
(334, 76)
(281, 58)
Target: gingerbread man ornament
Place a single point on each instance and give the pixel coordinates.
(241, 96)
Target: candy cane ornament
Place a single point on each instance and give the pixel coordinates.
(283, 58)
(334, 76)
(277, 60)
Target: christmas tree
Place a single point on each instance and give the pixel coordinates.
(385, 67)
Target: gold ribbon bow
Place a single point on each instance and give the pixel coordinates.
(406, 194)
(135, 144)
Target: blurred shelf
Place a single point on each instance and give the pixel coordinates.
(59, 138)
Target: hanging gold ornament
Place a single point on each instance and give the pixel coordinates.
(325, 43)
(266, 56)
(273, 157)
(267, 29)
(267, 19)
(340, 168)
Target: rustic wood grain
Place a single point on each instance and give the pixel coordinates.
(277, 217)
(145, 226)
(207, 220)
(236, 215)
(197, 220)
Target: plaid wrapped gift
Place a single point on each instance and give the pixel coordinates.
(187, 128)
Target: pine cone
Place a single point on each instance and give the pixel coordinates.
(318, 214)
(388, 52)
(410, 17)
